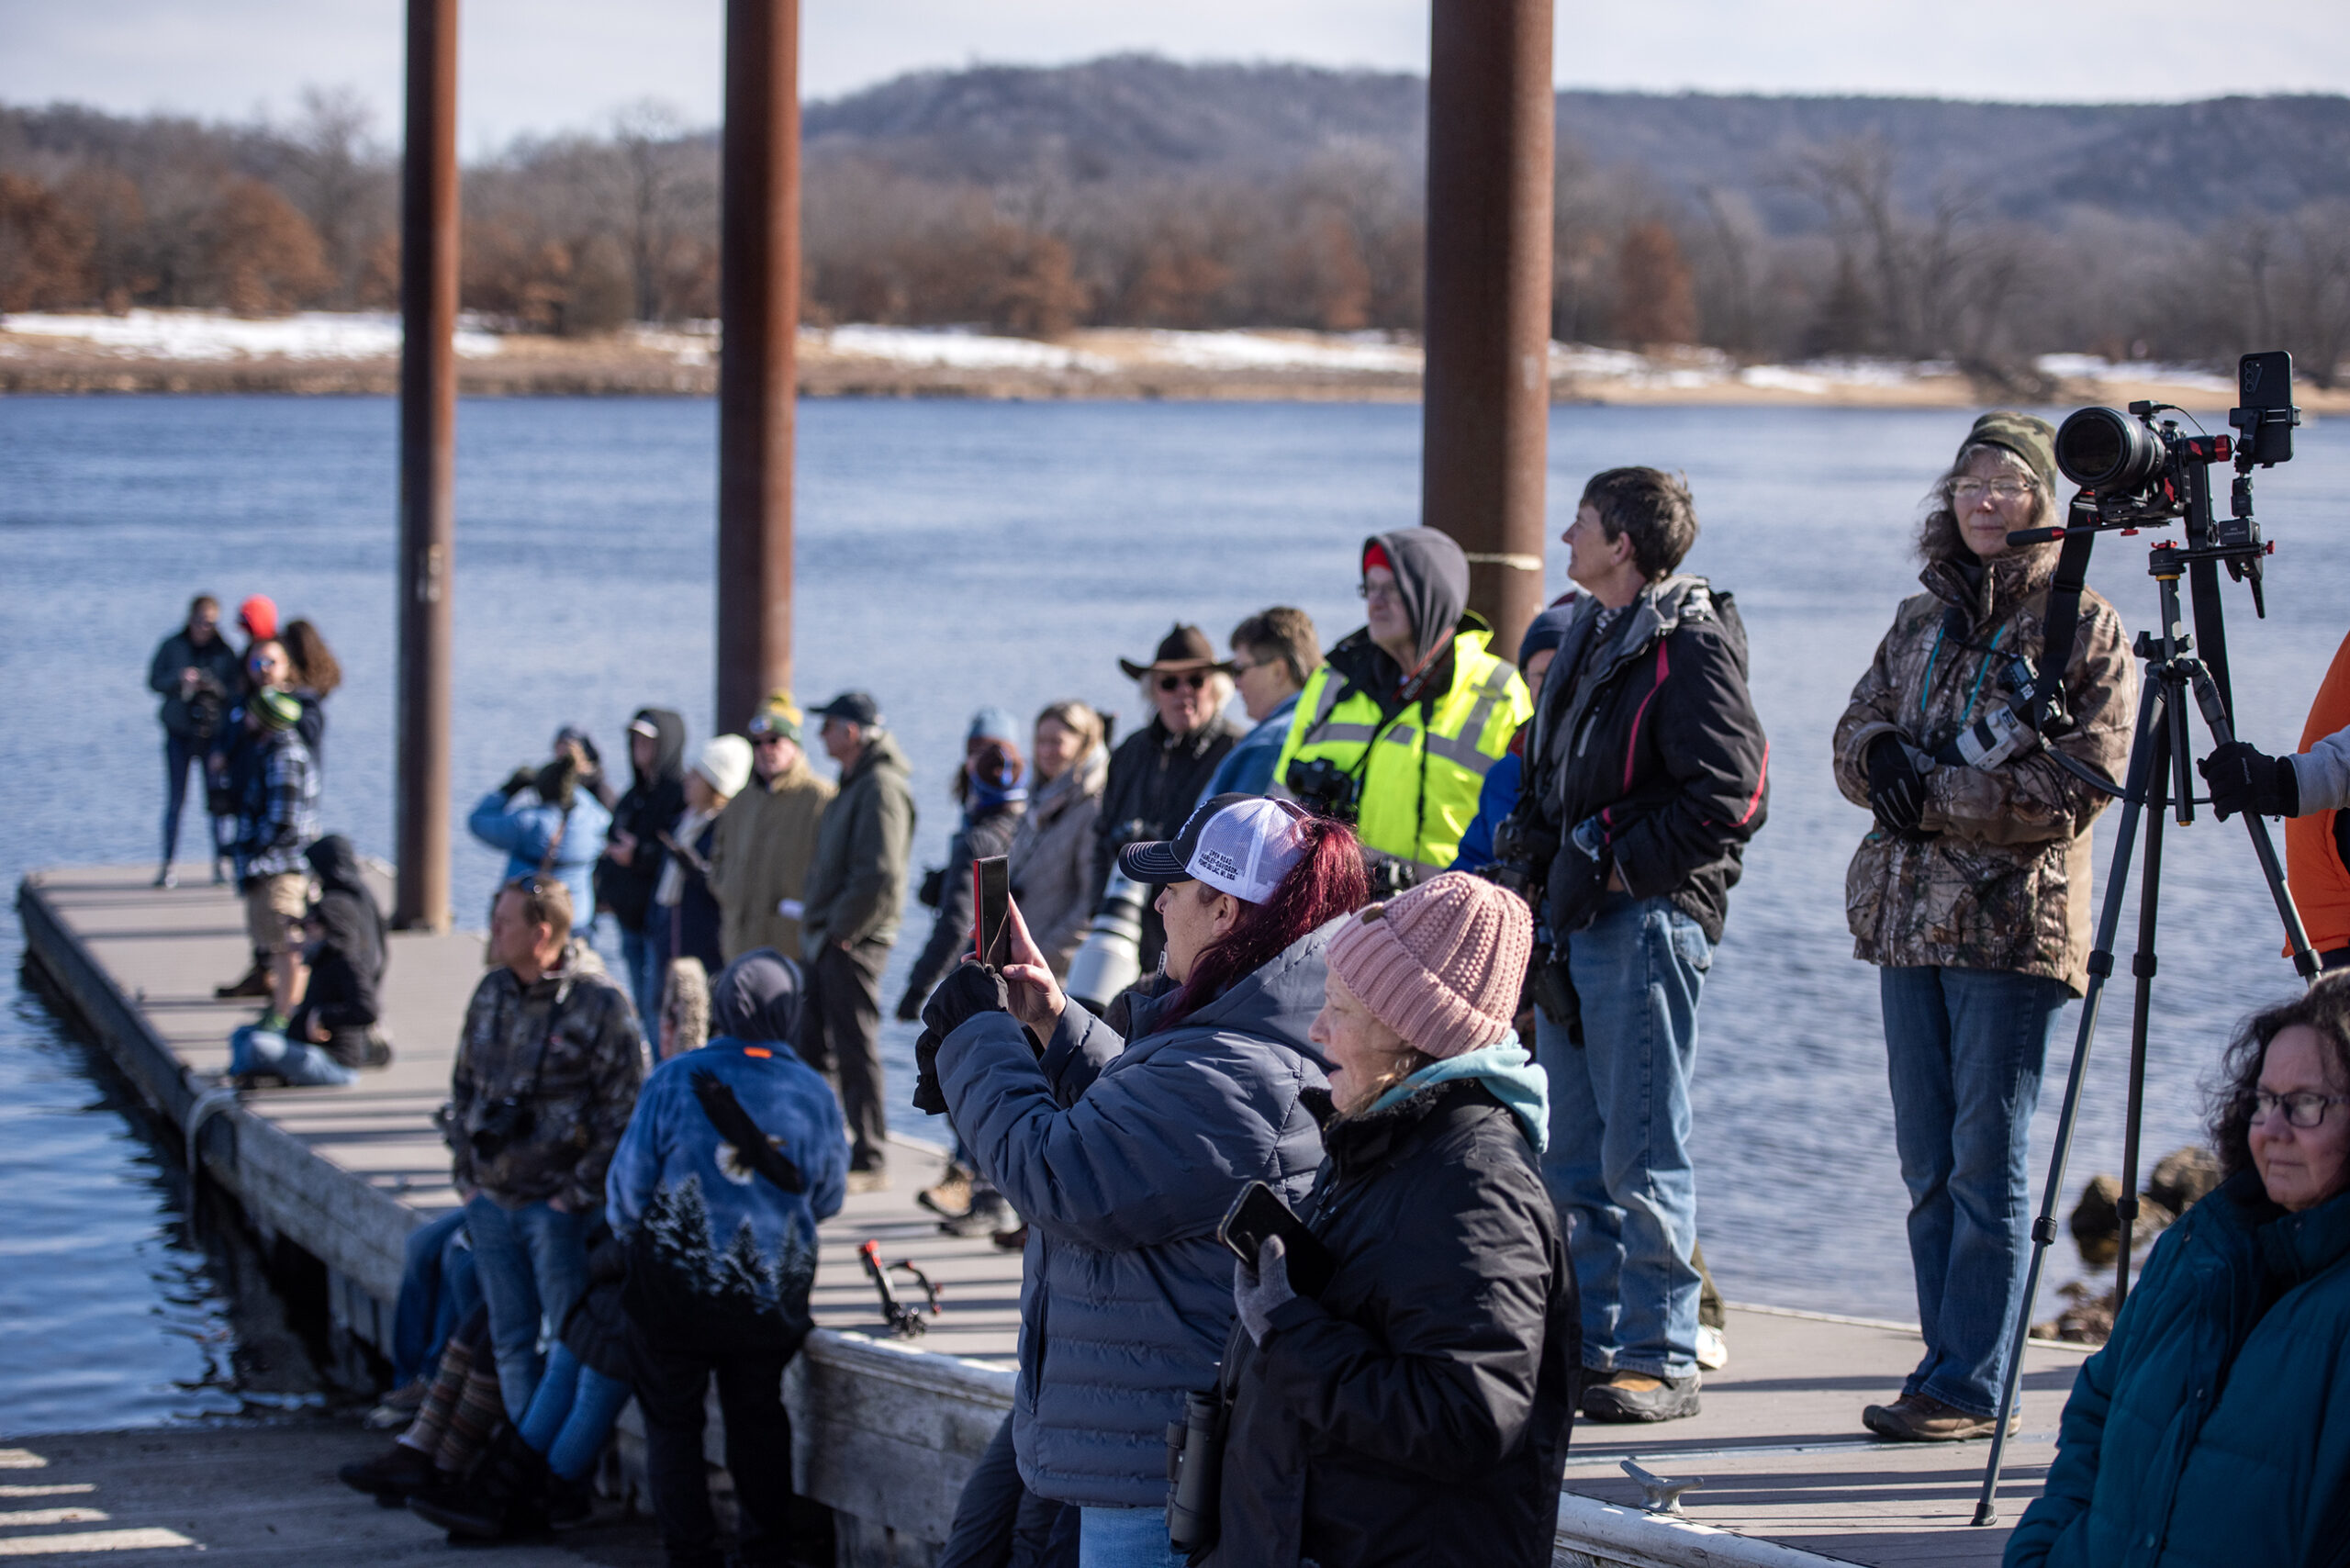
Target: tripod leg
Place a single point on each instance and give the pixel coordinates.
(2151, 712)
(2297, 937)
(2141, 966)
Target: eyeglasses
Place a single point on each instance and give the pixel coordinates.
(1970, 492)
(769, 737)
(1379, 593)
(1196, 680)
(2304, 1110)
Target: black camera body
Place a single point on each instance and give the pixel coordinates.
(497, 1125)
(1330, 791)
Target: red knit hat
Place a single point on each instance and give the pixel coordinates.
(259, 617)
(1440, 965)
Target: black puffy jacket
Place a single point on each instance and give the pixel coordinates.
(654, 803)
(1660, 743)
(347, 962)
(1418, 1413)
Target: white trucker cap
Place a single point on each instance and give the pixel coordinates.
(1241, 845)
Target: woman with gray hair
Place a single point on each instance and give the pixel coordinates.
(1970, 891)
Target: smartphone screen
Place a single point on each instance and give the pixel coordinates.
(991, 908)
(1259, 1213)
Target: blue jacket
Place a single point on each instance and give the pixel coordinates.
(2209, 1432)
(524, 831)
(1495, 801)
(1248, 767)
(721, 1245)
(1123, 1159)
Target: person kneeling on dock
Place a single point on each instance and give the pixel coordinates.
(736, 1151)
(1124, 1156)
(2214, 1426)
(545, 1076)
(1415, 1407)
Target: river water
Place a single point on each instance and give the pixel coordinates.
(952, 555)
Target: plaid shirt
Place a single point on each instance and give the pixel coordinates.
(281, 815)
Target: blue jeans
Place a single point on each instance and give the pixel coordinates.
(641, 957)
(571, 1414)
(180, 754)
(1618, 1163)
(533, 1265)
(436, 1293)
(1125, 1538)
(254, 1049)
(1963, 1049)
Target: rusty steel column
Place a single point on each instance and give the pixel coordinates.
(758, 303)
(428, 464)
(1485, 418)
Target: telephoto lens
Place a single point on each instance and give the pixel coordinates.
(2106, 451)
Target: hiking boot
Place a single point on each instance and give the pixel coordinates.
(505, 1496)
(255, 983)
(875, 1179)
(1922, 1418)
(391, 1476)
(1637, 1397)
(986, 1216)
(951, 1198)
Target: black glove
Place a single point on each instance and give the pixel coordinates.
(968, 989)
(1896, 789)
(735, 1126)
(930, 1095)
(1578, 877)
(521, 778)
(2245, 779)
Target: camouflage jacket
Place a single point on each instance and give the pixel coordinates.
(568, 1048)
(2004, 883)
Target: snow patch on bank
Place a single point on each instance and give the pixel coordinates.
(949, 348)
(211, 335)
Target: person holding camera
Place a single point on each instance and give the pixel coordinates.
(1971, 891)
(2214, 1424)
(558, 831)
(546, 1073)
(1416, 1407)
(2312, 790)
(1646, 773)
(1396, 730)
(1157, 773)
(1123, 1155)
(195, 672)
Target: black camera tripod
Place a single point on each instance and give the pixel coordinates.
(2161, 773)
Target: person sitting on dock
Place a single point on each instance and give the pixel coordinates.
(735, 1152)
(337, 1028)
(559, 832)
(546, 1073)
(1122, 1157)
(2214, 1426)
(278, 818)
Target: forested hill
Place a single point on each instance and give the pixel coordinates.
(1132, 115)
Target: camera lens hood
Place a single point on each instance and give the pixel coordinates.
(2108, 452)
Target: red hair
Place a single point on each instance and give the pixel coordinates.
(1327, 883)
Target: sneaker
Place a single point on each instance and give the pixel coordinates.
(1637, 1397)
(875, 1181)
(1713, 1351)
(392, 1476)
(1922, 1418)
(951, 1198)
(167, 878)
(254, 984)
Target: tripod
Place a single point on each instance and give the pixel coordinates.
(2160, 773)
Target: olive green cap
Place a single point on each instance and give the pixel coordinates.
(2031, 438)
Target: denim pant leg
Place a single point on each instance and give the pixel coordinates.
(1125, 1538)
(643, 969)
(417, 1327)
(558, 1244)
(1625, 1175)
(1965, 1052)
(595, 1409)
(551, 1401)
(179, 755)
(509, 1286)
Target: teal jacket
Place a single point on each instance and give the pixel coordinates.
(2213, 1429)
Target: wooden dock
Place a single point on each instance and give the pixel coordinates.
(886, 1430)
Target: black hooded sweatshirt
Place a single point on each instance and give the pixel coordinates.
(650, 807)
(347, 962)
(1432, 575)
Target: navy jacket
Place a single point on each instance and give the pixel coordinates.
(1123, 1159)
(2214, 1428)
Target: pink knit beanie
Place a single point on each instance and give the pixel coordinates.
(1440, 965)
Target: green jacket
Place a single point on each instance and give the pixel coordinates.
(856, 885)
(2213, 1429)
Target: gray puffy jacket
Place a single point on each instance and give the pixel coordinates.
(1123, 1159)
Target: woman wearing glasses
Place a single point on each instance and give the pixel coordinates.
(1971, 891)
(2214, 1426)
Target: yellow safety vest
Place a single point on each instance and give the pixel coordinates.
(1419, 781)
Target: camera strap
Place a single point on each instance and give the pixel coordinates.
(2063, 622)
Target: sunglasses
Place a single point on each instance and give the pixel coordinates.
(1196, 680)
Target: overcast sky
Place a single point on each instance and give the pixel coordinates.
(541, 65)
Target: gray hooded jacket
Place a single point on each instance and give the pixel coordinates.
(1123, 1159)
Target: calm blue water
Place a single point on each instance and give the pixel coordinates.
(953, 555)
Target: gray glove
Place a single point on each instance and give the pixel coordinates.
(1260, 1291)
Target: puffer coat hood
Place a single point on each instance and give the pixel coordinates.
(1123, 1159)
(756, 998)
